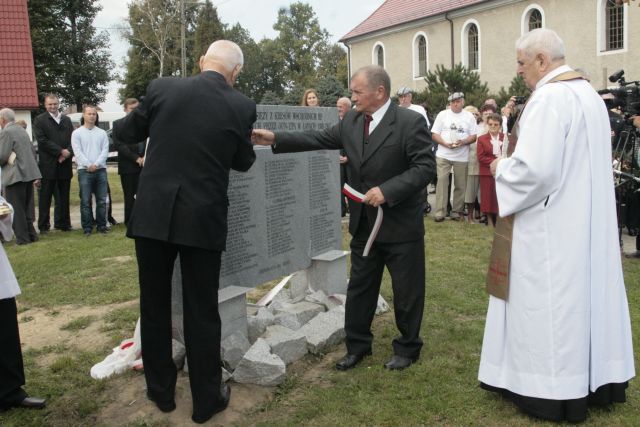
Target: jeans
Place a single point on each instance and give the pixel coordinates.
(93, 184)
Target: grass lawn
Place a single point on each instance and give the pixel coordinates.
(66, 271)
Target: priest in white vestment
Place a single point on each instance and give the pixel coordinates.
(12, 395)
(562, 339)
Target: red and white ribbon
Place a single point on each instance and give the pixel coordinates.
(358, 197)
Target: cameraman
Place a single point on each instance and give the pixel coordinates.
(635, 199)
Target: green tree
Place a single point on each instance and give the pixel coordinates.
(333, 62)
(271, 98)
(517, 87)
(208, 28)
(329, 89)
(442, 82)
(153, 31)
(271, 65)
(301, 42)
(140, 68)
(71, 59)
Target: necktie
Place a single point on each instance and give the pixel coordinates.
(367, 120)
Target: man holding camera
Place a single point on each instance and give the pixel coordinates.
(636, 254)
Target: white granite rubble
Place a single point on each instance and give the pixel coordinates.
(290, 345)
(232, 348)
(178, 352)
(299, 286)
(294, 316)
(257, 324)
(324, 330)
(259, 366)
(382, 307)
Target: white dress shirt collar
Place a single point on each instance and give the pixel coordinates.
(378, 115)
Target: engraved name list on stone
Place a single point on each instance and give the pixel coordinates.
(323, 202)
(281, 203)
(241, 252)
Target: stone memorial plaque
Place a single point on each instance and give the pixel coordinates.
(286, 208)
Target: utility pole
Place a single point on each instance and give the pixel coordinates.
(183, 43)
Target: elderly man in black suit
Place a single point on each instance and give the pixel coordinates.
(390, 162)
(199, 128)
(130, 162)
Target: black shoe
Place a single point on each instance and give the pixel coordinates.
(399, 362)
(350, 361)
(87, 233)
(103, 230)
(112, 221)
(635, 254)
(65, 229)
(28, 402)
(43, 231)
(225, 394)
(163, 406)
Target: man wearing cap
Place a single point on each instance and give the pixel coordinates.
(453, 130)
(404, 100)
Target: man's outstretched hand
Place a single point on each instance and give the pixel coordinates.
(262, 137)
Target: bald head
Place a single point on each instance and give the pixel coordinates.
(224, 57)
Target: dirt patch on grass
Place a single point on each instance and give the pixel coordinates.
(44, 326)
(130, 404)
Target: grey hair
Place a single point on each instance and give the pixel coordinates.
(376, 76)
(8, 114)
(541, 40)
(227, 53)
(345, 100)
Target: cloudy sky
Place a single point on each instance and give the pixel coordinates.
(338, 17)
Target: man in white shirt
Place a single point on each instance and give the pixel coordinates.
(405, 96)
(453, 130)
(91, 148)
(562, 339)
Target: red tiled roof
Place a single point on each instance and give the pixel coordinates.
(18, 88)
(396, 12)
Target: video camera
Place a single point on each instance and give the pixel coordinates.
(626, 97)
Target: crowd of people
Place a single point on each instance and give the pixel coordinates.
(557, 339)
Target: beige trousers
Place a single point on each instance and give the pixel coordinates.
(444, 167)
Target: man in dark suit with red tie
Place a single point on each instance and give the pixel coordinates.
(390, 162)
(199, 128)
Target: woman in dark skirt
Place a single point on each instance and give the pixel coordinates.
(489, 148)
